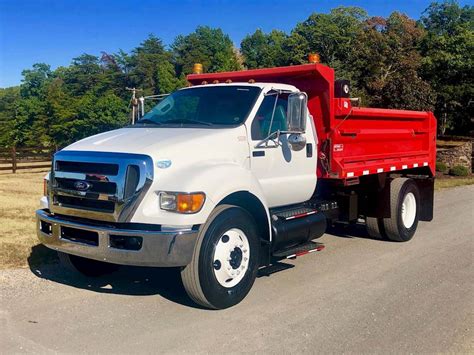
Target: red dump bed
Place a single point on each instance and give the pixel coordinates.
(353, 141)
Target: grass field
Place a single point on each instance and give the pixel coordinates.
(19, 198)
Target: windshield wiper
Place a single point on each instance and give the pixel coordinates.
(148, 121)
(187, 120)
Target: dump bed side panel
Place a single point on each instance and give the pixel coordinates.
(367, 141)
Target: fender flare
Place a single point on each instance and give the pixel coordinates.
(221, 180)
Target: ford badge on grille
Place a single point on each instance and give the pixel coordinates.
(82, 185)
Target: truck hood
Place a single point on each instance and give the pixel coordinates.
(171, 143)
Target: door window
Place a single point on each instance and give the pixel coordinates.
(263, 124)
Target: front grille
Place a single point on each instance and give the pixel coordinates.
(87, 168)
(85, 204)
(101, 186)
(96, 185)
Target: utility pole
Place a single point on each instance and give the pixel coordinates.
(134, 103)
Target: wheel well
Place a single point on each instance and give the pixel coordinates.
(252, 204)
(376, 193)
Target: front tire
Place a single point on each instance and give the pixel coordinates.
(404, 210)
(86, 267)
(225, 260)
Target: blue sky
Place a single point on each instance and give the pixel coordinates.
(54, 32)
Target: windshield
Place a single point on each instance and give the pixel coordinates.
(215, 105)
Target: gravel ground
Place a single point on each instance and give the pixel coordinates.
(357, 296)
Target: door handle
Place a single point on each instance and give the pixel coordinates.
(309, 150)
(258, 153)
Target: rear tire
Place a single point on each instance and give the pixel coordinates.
(375, 228)
(404, 210)
(86, 267)
(225, 260)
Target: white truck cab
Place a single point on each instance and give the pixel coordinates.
(141, 195)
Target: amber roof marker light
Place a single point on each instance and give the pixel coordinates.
(314, 58)
(197, 68)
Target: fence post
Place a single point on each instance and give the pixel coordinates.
(14, 159)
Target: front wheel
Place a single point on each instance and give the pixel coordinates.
(225, 261)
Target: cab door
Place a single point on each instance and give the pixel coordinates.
(285, 175)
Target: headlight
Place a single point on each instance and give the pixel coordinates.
(182, 202)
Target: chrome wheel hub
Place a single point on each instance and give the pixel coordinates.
(231, 258)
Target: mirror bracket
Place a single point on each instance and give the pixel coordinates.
(275, 138)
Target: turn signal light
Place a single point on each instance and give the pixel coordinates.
(182, 202)
(190, 203)
(45, 187)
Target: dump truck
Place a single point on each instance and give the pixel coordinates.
(234, 173)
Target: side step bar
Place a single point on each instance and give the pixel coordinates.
(299, 250)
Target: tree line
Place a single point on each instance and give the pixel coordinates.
(393, 62)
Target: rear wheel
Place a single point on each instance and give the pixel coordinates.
(87, 267)
(375, 227)
(404, 210)
(225, 260)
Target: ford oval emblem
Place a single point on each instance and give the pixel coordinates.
(163, 164)
(82, 185)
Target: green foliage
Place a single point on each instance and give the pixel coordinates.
(441, 167)
(208, 46)
(331, 35)
(392, 62)
(9, 98)
(459, 170)
(387, 63)
(448, 63)
(262, 50)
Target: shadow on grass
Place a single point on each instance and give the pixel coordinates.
(127, 280)
(40, 255)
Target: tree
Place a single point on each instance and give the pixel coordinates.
(9, 98)
(167, 81)
(34, 79)
(90, 115)
(447, 17)
(448, 63)
(331, 35)
(391, 62)
(262, 50)
(387, 62)
(208, 46)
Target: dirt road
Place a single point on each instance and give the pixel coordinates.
(358, 295)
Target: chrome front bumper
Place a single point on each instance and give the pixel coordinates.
(158, 248)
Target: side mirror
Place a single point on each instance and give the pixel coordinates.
(297, 112)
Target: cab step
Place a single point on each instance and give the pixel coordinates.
(294, 213)
(299, 250)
